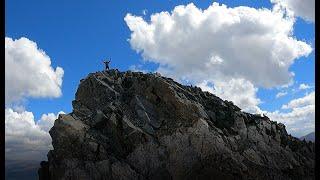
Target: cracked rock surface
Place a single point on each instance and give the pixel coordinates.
(130, 125)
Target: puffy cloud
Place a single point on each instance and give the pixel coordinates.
(47, 120)
(25, 138)
(302, 8)
(227, 51)
(240, 91)
(300, 102)
(304, 86)
(280, 94)
(300, 119)
(28, 72)
(219, 42)
(137, 68)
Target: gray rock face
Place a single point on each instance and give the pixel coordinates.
(130, 125)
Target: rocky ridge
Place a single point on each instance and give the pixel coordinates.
(308, 137)
(130, 125)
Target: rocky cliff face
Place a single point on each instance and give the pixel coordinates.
(130, 125)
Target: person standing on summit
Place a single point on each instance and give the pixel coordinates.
(107, 64)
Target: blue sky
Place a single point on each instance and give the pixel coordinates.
(78, 35)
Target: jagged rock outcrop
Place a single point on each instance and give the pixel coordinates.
(130, 125)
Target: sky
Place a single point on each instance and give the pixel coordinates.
(258, 54)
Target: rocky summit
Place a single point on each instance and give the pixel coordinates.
(131, 125)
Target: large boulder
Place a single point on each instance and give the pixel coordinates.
(130, 125)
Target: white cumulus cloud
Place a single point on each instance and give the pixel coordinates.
(240, 91)
(230, 52)
(241, 42)
(28, 71)
(304, 86)
(302, 8)
(26, 139)
(300, 120)
(296, 103)
(280, 94)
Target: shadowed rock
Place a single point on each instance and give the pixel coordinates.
(130, 125)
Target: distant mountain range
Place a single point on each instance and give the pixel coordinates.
(308, 137)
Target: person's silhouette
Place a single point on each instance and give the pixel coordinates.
(107, 64)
